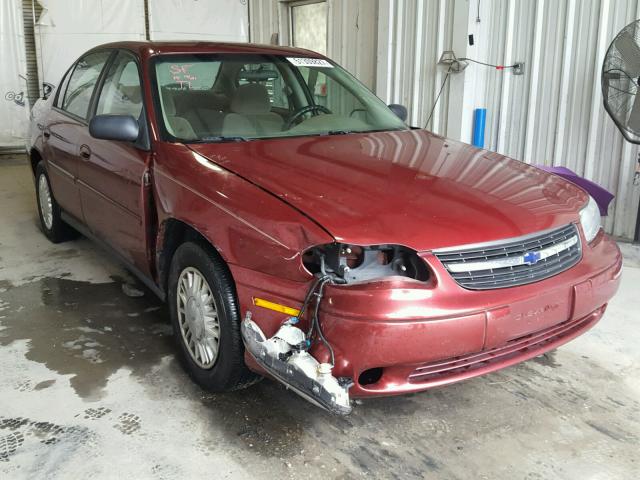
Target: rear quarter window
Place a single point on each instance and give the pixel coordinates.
(62, 89)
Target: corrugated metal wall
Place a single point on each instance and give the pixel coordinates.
(264, 21)
(352, 30)
(551, 115)
(411, 37)
(29, 14)
(352, 37)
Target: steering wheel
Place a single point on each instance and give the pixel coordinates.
(309, 108)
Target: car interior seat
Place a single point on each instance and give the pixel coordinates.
(178, 126)
(250, 113)
(203, 110)
(131, 100)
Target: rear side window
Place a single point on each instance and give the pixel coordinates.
(82, 82)
(121, 93)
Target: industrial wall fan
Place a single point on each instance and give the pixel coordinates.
(621, 81)
(621, 90)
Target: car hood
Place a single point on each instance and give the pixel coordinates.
(411, 188)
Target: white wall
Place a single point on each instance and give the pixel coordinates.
(68, 28)
(209, 20)
(14, 114)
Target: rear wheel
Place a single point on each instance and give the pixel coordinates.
(206, 319)
(51, 222)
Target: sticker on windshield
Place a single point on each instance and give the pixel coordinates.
(309, 62)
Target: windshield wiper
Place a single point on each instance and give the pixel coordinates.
(220, 139)
(339, 132)
(347, 132)
(393, 129)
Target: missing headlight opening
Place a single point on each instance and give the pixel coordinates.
(351, 263)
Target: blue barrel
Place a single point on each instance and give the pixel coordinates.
(479, 122)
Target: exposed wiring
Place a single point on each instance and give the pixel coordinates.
(446, 77)
(497, 67)
(451, 61)
(317, 289)
(307, 299)
(316, 320)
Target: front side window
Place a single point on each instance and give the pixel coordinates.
(214, 97)
(82, 81)
(121, 93)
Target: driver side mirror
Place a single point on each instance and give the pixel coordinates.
(399, 110)
(47, 88)
(122, 128)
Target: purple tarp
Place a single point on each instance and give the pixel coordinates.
(602, 196)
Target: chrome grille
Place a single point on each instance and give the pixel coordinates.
(515, 261)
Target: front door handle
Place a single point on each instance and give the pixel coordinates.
(85, 152)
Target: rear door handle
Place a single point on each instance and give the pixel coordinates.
(85, 152)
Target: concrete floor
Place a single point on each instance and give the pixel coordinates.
(90, 388)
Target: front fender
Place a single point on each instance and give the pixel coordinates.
(248, 226)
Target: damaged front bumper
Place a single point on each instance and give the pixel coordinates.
(396, 337)
(283, 358)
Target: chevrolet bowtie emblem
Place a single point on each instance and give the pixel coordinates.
(531, 258)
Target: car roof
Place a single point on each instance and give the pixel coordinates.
(147, 49)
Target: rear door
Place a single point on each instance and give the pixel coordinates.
(111, 174)
(65, 127)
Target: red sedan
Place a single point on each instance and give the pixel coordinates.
(299, 229)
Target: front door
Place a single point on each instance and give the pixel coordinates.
(111, 174)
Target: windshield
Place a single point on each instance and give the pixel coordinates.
(217, 97)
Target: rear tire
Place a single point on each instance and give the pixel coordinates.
(206, 319)
(51, 222)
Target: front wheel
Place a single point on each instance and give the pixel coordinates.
(206, 319)
(48, 210)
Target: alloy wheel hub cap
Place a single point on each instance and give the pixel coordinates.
(45, 202)
(198, 317)
(195, 317)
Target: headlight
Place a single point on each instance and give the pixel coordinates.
(590, 219)
(353, 263)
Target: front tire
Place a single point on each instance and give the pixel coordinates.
(206, 319)
(51, 221)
